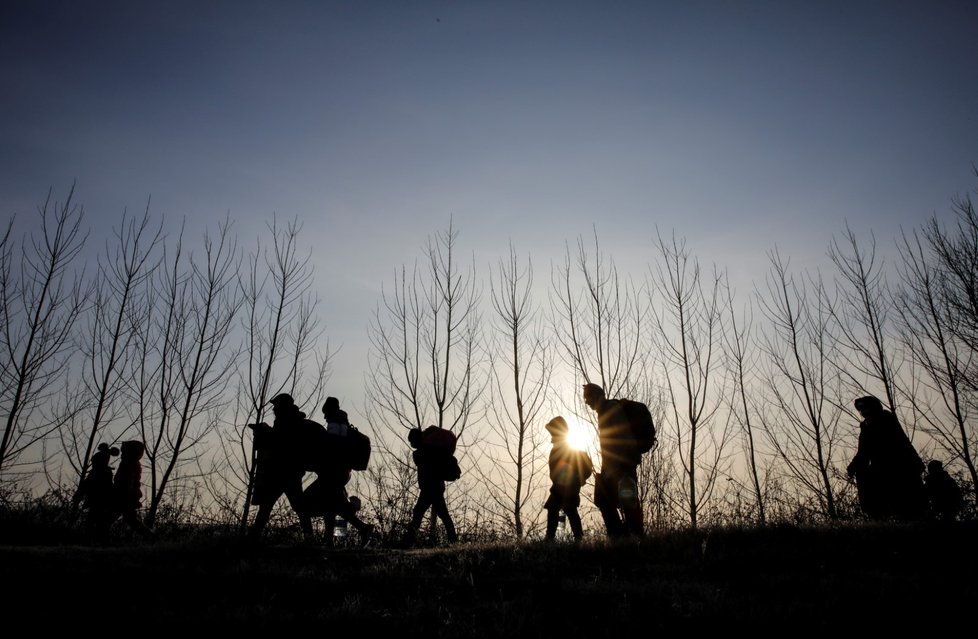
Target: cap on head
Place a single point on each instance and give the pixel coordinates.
(282, 399)
(332, 404)
(868, 403)
(592, 392)
(557, 426)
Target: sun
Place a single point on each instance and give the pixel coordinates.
(580, 434)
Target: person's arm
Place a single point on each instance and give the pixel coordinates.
(859, 460)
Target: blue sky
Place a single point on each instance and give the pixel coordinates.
(740, 125)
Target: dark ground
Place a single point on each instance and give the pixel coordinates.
(781, 581)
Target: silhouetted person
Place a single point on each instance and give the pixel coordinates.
(283, 455)
(943, 493)
(327, 495)
(569, 469)
(886, 467)
(431, 463)
(128, 486)
(616, 487)
(97, 493)
(333, 414)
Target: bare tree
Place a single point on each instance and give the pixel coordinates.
(867, 356)
(521, 364)
(804, 416)
(281, 353)
(128, 262)
(931, 329)
(424, 355)
(600, 323)
(40, 299)
(741, 360)
(688, 321)
(956, 256)
(183, 373)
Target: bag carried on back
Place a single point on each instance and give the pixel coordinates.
(450, 469)
(439, 439)
(358, 449)
(640, 421)
(346, 446)
(442, 443)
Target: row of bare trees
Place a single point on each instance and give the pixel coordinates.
(146, 344)
(753, 396)
(181, 347)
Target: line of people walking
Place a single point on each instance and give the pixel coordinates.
(886, 469)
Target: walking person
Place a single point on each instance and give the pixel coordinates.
(436, 464)
(97, 494)
(128, 486)
(283, 452)
(327, 495)
(886, 467)
(569, 470)
(616, 487)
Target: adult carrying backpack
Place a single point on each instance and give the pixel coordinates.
(640, 421)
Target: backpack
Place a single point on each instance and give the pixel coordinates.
(357, 449)
(451, 470)
(439, 439)
(345, 446)
(640, 420)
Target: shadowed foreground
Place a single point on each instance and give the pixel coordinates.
(776, 580)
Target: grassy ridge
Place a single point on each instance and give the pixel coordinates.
(777, 580)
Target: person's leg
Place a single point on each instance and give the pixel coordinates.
(574, 519)
(606, 499)
(552, 515)
(420, 508)
(417, 515)
(441, 510)
(293, 492)
(631, 505)
(261, 520)
(365, 530)
(269, 495)
(346, 511)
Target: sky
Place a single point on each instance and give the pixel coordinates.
(740, 126)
